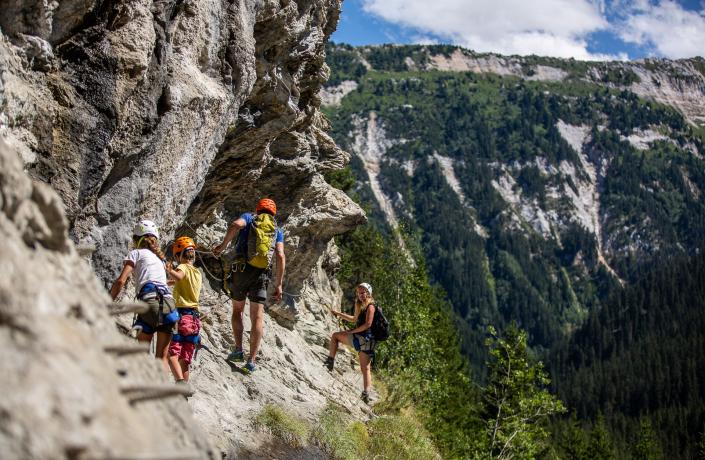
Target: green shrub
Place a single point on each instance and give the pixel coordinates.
(288, 428)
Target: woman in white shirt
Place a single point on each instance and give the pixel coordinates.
(146, 261)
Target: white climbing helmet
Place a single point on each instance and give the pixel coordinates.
(366, 286)
(146, 227)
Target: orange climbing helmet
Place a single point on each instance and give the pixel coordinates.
(181, 244)
(266, 204)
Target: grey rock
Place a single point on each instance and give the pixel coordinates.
(62, 392)
(186, 113)
(38, 52)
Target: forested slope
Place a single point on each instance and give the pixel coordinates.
(532, 197)
(564, 196)
(640, 357)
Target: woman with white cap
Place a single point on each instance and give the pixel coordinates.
(146, 264)
(359, 337)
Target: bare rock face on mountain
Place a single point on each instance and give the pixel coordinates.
(69, 392)
(184, 112)
(133, 109)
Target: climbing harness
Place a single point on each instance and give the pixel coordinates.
(151, 291)
(190, 332)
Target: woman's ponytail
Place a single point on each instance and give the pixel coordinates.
(149, 242)
(153, 245)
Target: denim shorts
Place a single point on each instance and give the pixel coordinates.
(364, 343)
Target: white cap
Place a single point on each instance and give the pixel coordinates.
(366, 286)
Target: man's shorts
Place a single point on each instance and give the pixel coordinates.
(248, 281)
(151, 317)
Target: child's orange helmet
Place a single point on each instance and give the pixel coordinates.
(267, 204)
(181, 244)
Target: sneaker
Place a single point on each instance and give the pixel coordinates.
(329, 363)
(236, 356)
(365, 397)
(249, 367)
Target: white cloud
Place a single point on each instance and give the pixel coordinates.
(666, 28)
(558, 28)
(425, 39)
(546, 27)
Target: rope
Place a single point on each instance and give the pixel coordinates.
(195, 233)
(205, 268)
(330, 309)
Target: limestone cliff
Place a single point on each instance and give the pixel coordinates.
(70, 380)
(186, 113)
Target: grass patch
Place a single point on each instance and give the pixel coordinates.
(340, 436)
(284, 426)
(400, 437)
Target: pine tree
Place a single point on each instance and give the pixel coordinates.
(647, 445)
(701, 447)
(516, 402)
(601, 446)
(574, 443)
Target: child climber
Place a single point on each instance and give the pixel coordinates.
(187, 290)
(360, 337)
(147, 263)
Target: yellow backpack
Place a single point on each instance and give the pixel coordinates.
(260, 240)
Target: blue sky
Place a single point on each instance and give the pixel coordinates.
(583, 29)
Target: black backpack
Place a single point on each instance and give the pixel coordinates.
(380, 325)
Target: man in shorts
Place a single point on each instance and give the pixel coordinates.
(249, 281)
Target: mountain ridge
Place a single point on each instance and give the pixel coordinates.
(538, 164)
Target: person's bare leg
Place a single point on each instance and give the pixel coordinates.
(238, 328)
(184, 369)
(257, 328)
(176, 367)
(338, 337)
(163, 339)
(142, 337)
(366, 371)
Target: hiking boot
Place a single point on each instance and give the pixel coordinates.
(365, 397)
(249, 367)
(236, 356)
(329, 362)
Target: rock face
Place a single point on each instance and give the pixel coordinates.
(138, 108)
(65, 395)
(186, 113)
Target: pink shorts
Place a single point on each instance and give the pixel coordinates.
(188, 325)
(184, 350)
